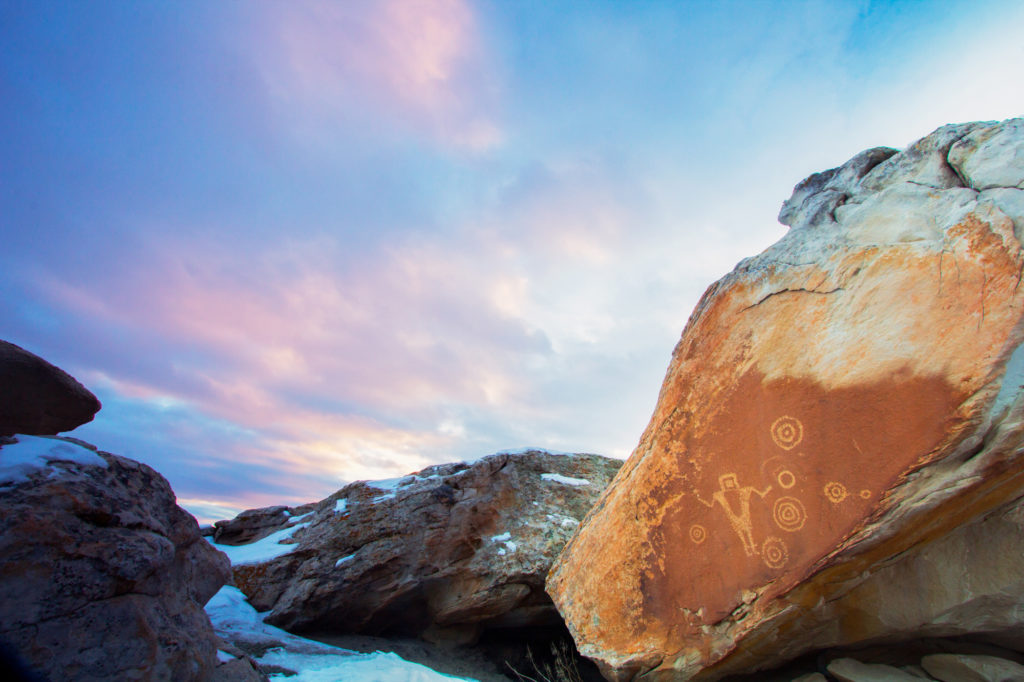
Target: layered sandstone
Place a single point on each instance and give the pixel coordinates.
(852, 393)
(442, 554)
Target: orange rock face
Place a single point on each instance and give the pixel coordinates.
(836, 400)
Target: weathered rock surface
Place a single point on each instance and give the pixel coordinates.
(852, 670)
(835, 404)
(441, 554)
(38, 398)
(255, 524)
(966, 668)
(102, 575)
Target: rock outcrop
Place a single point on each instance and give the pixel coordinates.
(837, 406)
(102, 575)
(37, 398)
(441, 554)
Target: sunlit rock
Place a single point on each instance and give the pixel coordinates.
(441, 554)
(835, 404)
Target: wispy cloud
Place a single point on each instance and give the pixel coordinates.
(421, 64)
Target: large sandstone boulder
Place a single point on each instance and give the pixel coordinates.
(442, 554)
(102, 575)
(38, 398)
(836, 406)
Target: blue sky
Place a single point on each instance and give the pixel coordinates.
(291, 245)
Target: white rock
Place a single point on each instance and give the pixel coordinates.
(991, 156)
(970, 668)
(852, 670)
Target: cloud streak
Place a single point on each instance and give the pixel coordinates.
(417, 64)
(311, 242)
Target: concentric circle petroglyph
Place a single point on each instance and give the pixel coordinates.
(865, 494)
(774, 553)
(787, 432)
(698, 534)
(786, 479)
(789, 514)
(835, 492)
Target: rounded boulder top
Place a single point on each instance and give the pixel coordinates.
(37, 398)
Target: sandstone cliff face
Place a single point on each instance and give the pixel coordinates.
(442, 553)
(102, 575)
(849, 394)
(37, 398)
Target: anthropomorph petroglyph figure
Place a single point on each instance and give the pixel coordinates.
(735, 502)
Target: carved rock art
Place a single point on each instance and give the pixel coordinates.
(789, 514)
(812, 423)
(787, 432)
(835, 492)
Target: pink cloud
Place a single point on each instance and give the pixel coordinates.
(289, 341)
(419, 64)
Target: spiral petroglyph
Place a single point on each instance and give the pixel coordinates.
(789, 514)
(774, 552)
(698, 534)
(787, 432)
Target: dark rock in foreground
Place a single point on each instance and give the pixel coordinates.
(442, 554)
(38, 398)
(102, 575)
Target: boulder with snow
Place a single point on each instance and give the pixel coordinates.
(255, 524)
(38, 398)
(102, 575)
(838, 406)
(442, 554)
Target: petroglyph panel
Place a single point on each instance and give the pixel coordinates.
(759, 490)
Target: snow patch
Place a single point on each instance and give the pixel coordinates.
(566, 480)
(343, 559)
(506, 540)
(523, 451)
(563, 521)
(389, 483)
(34, 453)
(381, 498)
(237, 621)
(263, 550)
(224, 657)
(340, 505)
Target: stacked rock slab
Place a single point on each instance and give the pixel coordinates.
(849, 394)
(37, 398)
(443, 554)
(102, 575)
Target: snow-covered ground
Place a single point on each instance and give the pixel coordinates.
(236, 621)
(565, 480)
(264, 549)
(32, 453)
